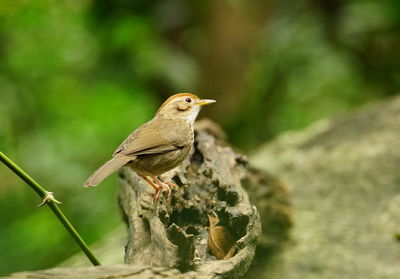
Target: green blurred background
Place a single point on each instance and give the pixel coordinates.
(76, 77)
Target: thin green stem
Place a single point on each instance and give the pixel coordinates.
(52, 203)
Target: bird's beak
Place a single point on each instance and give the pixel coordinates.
(205, 102)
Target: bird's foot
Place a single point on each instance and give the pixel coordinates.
(49, 197)
(172, 185)
(156, 186)
(169, 191)
(157, 195)
(165, 185)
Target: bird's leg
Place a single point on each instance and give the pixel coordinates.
(156, 187)
(165, 186)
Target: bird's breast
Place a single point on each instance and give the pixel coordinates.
(156, 164)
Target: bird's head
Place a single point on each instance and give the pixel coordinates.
(183, 106)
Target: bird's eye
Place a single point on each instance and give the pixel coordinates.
(188, 100)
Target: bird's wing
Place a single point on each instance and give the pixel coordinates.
(157, 136)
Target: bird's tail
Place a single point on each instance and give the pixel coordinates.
(106, 170)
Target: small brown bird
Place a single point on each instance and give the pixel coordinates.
(158, 145)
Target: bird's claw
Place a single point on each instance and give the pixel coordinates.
(172, 185)
(167, 187)
(161, 186)
(157, 195)
(49, 197)
(164, 185)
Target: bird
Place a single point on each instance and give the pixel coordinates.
(158, 145)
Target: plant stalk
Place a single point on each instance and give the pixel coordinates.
(52, 203)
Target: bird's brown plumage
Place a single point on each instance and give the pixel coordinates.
(158, 136)
(158, 145)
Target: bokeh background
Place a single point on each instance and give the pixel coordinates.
(76, 77)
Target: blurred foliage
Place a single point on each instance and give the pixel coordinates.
(78, 76)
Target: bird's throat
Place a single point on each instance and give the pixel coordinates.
(192, 117)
